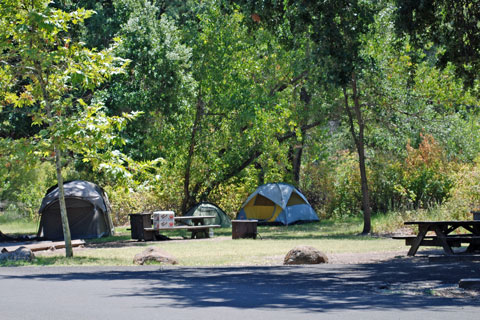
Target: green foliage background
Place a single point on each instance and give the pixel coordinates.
(232, 94)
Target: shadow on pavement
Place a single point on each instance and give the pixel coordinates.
(311, 288)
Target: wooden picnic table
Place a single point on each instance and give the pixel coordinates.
(443, 235)
(198, 227)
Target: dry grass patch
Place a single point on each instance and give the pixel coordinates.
(273, 243)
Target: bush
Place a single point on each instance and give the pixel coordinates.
(231, 197)
(147, 198)
(332, 186)
(26, 188)
(426, 174)
(465, 193)
(387, 191)
(317, 186)
(422, 180)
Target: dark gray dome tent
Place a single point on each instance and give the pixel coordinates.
(277, 203)
(210, 209)
(88, 212)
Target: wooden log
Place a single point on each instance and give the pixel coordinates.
(42, 246)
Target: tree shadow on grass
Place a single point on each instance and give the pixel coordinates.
(309, 236)
(53, 261)
(320, 288)
(318, 230)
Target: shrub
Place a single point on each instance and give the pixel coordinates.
(421, 181)
(387, 191)
(332, 186)
(465, 194)
(26, 188)
(317, 186)
(426, 173)
(148, 197)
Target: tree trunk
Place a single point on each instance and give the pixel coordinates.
(63, 208)
(360, 146)
(295, 157)
(297, 163)
(58, 165)
(261, 173)
(187, 197)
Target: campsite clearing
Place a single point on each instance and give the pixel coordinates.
(224, 251)
(338, 240)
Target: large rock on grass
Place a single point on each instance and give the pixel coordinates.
(21, 254)
(305, 255)
(154, 254)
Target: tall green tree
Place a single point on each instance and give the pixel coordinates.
(174, 71)
(50, 76)
(408, 97)
(452, 25)
(158, 80)
(229, 130)
(337, 28)
(244, 110)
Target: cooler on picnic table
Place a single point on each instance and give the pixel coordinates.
(163, 219)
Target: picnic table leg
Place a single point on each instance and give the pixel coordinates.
(205, 232)
(422, 231)
(472, 248)
(443, 241)
(475, 244)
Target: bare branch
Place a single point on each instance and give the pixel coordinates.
(282, 86)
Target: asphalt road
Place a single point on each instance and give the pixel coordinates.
(398, 289)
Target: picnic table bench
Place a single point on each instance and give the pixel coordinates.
(439, 233)
(198, 227)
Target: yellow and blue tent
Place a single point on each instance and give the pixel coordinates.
(277, 203)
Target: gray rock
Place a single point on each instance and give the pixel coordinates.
(21, 254)
(305, 255)
(154, 254)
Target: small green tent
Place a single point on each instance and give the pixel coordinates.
(210, 209)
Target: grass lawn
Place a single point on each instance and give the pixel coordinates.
(18, 226)
(268, 249)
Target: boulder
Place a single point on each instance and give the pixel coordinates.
(305, 255)
(154, 254)
(21, 254)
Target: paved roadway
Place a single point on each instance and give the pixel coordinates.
(398, 289)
